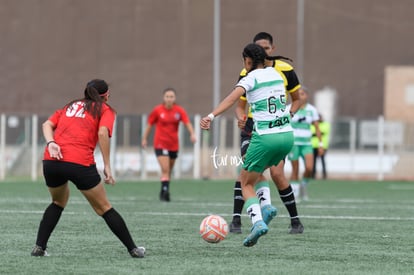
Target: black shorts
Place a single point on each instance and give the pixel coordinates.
(165, 152)
(57, 173)
(245, 136)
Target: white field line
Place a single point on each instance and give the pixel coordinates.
(318, 217)
(343, 202)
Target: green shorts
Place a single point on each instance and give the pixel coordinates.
(300, 151)
(267, 150)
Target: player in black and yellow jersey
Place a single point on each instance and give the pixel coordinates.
(277, 172)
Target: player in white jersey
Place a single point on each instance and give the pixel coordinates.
(306, 116)
(272, 138)
(265, 40)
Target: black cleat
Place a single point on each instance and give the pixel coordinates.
(137, 252)
(235, 227)
(164, 195)
(39, 251)
(296, 227)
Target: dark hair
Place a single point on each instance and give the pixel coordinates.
(169, 89)
(94, 93)
(268, 37)
(263, 36)
(256, 53)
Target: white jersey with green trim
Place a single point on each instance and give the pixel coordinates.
(266, 94)
(301, 123)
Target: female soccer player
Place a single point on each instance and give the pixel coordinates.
(71, 134)
(265, 40)
(306, 116)
(272, 137)
(167, 117)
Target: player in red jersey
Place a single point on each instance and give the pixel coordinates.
(166, 117)
(72, 134)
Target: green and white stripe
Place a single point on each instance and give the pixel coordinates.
(302, 122)
(266, 94)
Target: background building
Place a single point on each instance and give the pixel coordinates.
(356, 58)
(49, 49)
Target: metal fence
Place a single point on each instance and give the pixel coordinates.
(358, 148)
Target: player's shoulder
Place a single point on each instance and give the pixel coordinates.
(283, 65)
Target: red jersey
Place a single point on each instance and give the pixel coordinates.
(167, 122)
(76, 132)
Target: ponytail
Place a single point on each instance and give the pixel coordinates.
(278, 57)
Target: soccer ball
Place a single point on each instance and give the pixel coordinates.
(213, 229)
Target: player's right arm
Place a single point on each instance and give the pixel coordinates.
(144, 140)
(104, 146)
(152, 119)
(49, 127)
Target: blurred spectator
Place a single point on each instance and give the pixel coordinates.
(302, 120)
(325, 129)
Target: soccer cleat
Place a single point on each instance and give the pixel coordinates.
(235, 227)
(137, 252)
(268, 213)
(296, 227)
(164, 195)
(259, 229)
(39, 251)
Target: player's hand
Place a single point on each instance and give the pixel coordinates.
(193, 138)
(321, 151)
(242, 122)
(144, 143)
(205, 123)
(109, 179)
(54, 150)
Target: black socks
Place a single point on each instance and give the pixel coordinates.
(288, 200)
(117, 225)
(238, 202)
(48, 223)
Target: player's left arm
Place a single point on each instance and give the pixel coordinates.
(186, 120)
(296, 102)
(190, 129)
(292, 79)
(106, 125)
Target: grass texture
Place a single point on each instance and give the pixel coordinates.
(351, 227)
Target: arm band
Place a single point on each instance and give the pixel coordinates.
(211, 116)
(52, 141)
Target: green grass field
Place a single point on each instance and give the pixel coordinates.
(356, 227)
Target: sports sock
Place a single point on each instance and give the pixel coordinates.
(263, 193)
(288, 199)
(165, 185)
(253, 209)
(295, 187)
(304, 188)
(238, 202)
(48, 223)
(117, 225)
